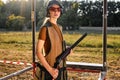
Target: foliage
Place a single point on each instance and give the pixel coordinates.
(18, 8)
(15, 22)
(2, 15)
(1, 3)
(70, 18)
(40, 12)
(90, 13)
(113, 14)
(75, 14)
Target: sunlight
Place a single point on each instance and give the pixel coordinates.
(11, 0)
(4, 1)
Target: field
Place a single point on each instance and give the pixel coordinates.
(17, 46)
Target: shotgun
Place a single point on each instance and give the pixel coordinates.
(65, 53)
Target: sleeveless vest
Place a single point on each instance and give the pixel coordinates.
(56, 41)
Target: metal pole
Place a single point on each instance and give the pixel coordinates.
(16, 73)
(33, 19)
(104, 33)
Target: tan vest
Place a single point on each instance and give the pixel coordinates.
(56, 45)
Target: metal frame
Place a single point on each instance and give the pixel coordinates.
(91, 67)
(16, 73)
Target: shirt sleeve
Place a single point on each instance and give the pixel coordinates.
(42, 33)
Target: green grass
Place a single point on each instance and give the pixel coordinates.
(17, 46)
(16, 40)
(25, 38)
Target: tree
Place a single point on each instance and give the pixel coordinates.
(90, 13)
(40, 12)
(117, 15)
(75, 14)
(69, 19)
(15, 22)
(111, 13)
(2, 15)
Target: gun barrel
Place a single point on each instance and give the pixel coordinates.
(80, 39)
(65, 53)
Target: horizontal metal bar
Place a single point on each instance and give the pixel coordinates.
(16, 73)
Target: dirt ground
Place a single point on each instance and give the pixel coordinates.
(113, 72)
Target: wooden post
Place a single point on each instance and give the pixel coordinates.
(104, 33)
(33, 20)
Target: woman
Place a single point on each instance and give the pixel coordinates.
(50, 43)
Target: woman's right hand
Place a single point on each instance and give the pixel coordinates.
(54, 73)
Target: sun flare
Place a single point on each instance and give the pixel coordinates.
(11, 0)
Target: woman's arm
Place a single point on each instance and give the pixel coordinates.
(52, 71)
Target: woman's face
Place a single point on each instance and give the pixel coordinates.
(55, 11)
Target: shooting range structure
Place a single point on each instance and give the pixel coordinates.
(75, 66)
(93, 67)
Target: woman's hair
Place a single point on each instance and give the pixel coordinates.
(45, 20)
